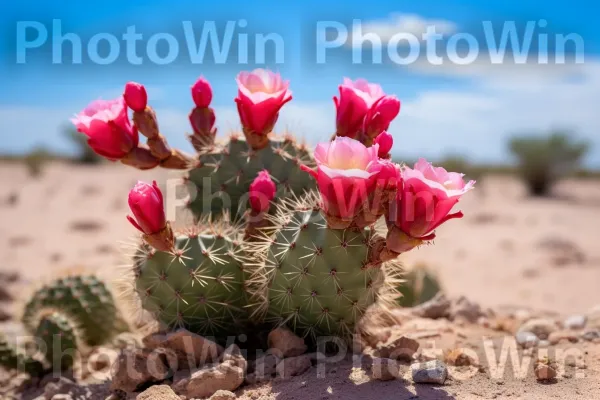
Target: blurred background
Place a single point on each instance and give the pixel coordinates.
(527, 130)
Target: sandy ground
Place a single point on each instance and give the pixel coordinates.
(539, 254)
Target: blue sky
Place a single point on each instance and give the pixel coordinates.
(467, 109)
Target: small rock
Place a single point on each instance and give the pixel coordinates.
(544, 343)
(398, 347)
(527, 339)
(429, 372)
(284, 343)
(206, 381)
(136, 367)
(459, 358)
(159, 392)
(190, 350)
(438, 307)
(575, 322)
(557, 336)
(223, 395)
(62, 397)
(63, 386)
(463, 308)
(545, 369)
(293, 366)
(385, 369)
(591, 335)
(540, 327)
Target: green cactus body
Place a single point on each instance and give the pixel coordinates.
(85, 300)
(10, 359)
(314, 279)
(223, 174)
(419, 286)
(200, 286)
(59, 338)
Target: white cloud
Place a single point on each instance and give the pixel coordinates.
(386, 29)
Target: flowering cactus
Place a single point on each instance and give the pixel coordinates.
(311, 259)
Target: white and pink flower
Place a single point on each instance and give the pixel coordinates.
(347, 173)
(425, 202)
(107, 126)
(261, 94)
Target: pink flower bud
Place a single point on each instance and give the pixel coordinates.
(202, 93)
(107, 126)
(135, 96)
(380, 115)
(385, 142)
(262, 191)
(146, 204)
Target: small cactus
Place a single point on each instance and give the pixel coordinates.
(419, 286)
(199, 285)
(85, 300)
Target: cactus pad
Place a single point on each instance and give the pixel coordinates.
(223, 173)
(200, 285)
(60, 340)
(85, 300)
(315, 279)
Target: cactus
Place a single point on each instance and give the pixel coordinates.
(419, 286)
(84, 300)
(58, 335)
(224, 172)
(199, 285)
(317, 280)
(11, 359)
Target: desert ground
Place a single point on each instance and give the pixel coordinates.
(513, 255)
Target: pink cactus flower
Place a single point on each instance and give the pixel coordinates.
(202, 93)
(146, 204)
(135, 96)
(261, 94)
(107, 126)
(262, 191)
(429, 193)
(385, 142)
(347, 172)
(380, 115)
(356, 98)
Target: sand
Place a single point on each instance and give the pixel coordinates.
(538, 254)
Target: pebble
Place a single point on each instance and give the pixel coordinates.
(284, 343)
(540, 327)
(527, 339)
(158, 392)
(429, 372)
(591, 335)
(545, 369)
(558, 336)
(575, 322)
